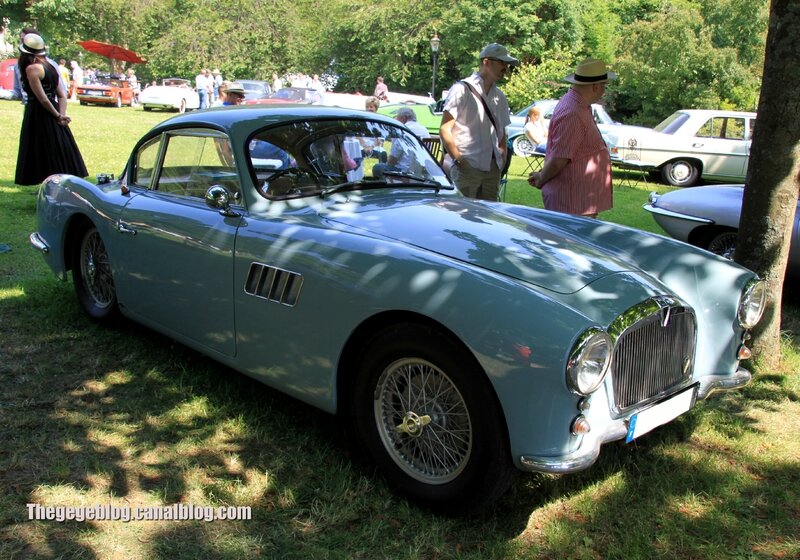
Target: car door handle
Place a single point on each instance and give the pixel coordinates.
(697, 145)
(122, 227)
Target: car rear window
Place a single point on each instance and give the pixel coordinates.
(672, 123)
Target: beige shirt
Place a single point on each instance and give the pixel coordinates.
(473, 133)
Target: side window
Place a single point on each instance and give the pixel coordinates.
(146, 159)
(195, 162)
(725, 128)
(732, 129)
(708, 130)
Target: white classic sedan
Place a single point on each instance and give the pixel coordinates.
(692, 144)
(173, 93)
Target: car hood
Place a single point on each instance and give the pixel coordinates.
(548, 249)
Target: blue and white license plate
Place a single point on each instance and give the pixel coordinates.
(661, 413)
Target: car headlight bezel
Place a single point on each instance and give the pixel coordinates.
(752, 303)
(589, 361)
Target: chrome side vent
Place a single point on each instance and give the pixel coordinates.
(274, 284)
(653, 355)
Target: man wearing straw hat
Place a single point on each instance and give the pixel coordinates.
(576, 177)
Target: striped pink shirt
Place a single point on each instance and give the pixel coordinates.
(584, 185)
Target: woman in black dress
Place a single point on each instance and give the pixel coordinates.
(46, 144)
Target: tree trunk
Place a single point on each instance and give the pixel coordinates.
(773, 177)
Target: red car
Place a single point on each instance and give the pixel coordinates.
(106, 91)
(7, 73)
(305, 96)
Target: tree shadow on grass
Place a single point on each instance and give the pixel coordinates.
(125, 415)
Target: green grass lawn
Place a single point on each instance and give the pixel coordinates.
(126, 417)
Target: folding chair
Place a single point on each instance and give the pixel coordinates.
(434, 146)
(501, 189)
(632, 171)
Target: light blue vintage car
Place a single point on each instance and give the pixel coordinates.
(465, 340)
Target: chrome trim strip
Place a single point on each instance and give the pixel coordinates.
(39, 243)
(671, 214)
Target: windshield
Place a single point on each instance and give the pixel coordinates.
(175, 82)
(106, 81)
(253, 87)
(311, 158)
(287, 93)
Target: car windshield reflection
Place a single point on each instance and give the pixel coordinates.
(312, 158)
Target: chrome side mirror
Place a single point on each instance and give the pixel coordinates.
(219, 198)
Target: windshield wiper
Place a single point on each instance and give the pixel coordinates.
(377, 183)
(418, 180)
(348, 185)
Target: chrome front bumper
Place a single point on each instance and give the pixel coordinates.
(39, 243)
(589, 451)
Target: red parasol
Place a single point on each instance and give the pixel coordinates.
(108, 50)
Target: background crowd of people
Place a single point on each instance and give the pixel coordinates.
(575, 177)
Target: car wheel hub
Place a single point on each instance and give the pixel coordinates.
(423, 421)
(681, 172)
(413, 424)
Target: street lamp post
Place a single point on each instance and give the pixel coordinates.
(435, 53)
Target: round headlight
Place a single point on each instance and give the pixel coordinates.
(752, 304)
(589, 361)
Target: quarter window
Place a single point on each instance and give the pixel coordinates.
(196, 161)
(146, 159)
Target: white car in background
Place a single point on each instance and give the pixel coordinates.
(692, 144)
(515, 132)
(173, 93)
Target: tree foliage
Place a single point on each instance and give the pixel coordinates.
(669, 53)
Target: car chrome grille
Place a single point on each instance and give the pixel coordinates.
(653, 355)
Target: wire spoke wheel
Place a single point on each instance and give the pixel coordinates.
(427, 416)
(96, 270)
(724, 244)
(423, 421)
(93, 277)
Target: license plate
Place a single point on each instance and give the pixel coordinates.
(661, 413)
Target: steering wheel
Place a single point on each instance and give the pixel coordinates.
(293, 186)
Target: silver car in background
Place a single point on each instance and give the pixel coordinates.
(708, 217)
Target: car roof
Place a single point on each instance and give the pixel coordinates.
(715, 112)
(247, 118)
